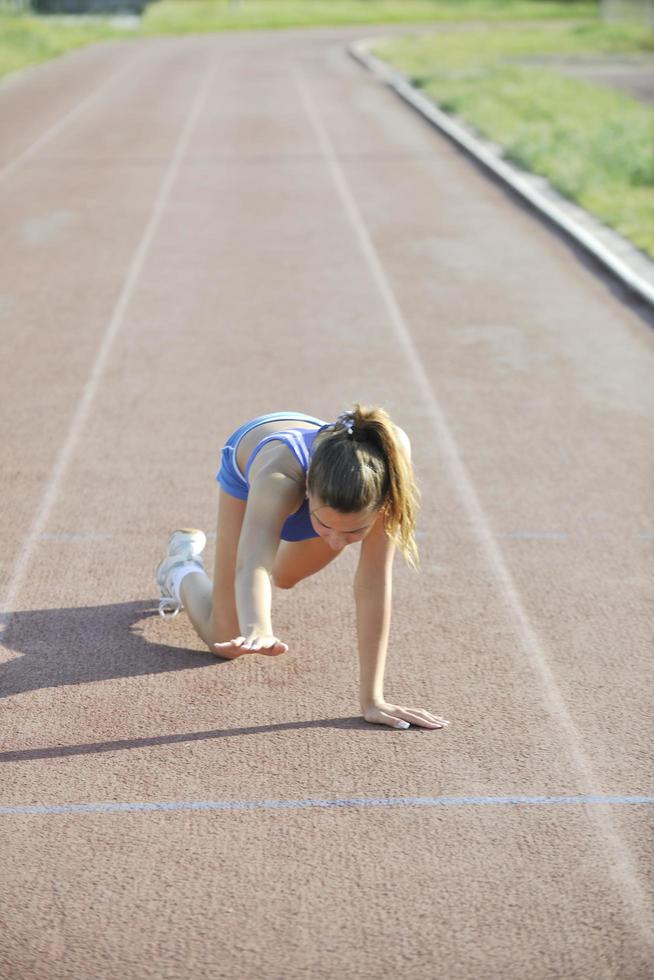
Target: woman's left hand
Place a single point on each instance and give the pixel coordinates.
(384, 713)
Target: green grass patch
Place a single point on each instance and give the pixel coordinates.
(26, 40)
(200, 16)
(594, 145)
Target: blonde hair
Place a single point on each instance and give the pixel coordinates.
(359, 463)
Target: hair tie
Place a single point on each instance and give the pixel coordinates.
(346, 419)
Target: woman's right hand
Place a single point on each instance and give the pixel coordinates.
(268, 646)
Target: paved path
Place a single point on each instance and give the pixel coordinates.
(195, 231)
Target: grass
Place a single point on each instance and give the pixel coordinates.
(26, 40)
(594, 145)
(182, 16)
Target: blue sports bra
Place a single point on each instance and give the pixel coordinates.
(297, 527)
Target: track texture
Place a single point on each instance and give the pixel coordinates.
(241, 224)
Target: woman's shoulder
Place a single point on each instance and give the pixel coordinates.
(249, 443)
(275, 458)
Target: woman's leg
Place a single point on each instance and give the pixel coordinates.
(296, 560)
(212, 608)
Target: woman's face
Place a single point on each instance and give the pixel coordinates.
(339, 529)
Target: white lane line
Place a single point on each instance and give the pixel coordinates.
(342, 803)
(619, 858)
(533, 535)
(74, 536)
(91, 386)
(57, 127)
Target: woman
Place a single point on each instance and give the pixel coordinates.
(295, 491)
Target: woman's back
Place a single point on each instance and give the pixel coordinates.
(251, 440)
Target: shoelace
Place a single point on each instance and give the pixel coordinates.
(168, 608)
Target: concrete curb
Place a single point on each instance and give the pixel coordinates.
(627, 263)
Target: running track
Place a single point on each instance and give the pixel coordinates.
(197, 231)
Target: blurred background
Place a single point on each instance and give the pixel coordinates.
(564, 87)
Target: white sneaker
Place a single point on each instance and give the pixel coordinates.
(184, 545)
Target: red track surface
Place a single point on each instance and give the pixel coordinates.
(240, 224)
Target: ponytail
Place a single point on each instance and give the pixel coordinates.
(358, 464)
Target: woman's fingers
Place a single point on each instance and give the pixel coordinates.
(266, 645)
(421, 720)
(399, 717)
(395, 722)
(274, 648)
(230, 648)
(420, 713)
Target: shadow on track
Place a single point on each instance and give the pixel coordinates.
(60, 751)
(92, 643)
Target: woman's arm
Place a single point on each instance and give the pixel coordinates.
(373, 588)
(373, 592)
(273, 496)
(373, 595)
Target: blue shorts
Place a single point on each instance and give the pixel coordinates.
(229, 476)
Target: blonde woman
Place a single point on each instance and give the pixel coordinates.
(294, 492)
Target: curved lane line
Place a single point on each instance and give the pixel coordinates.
(342, 803)
(620, 861)
(88, 393)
